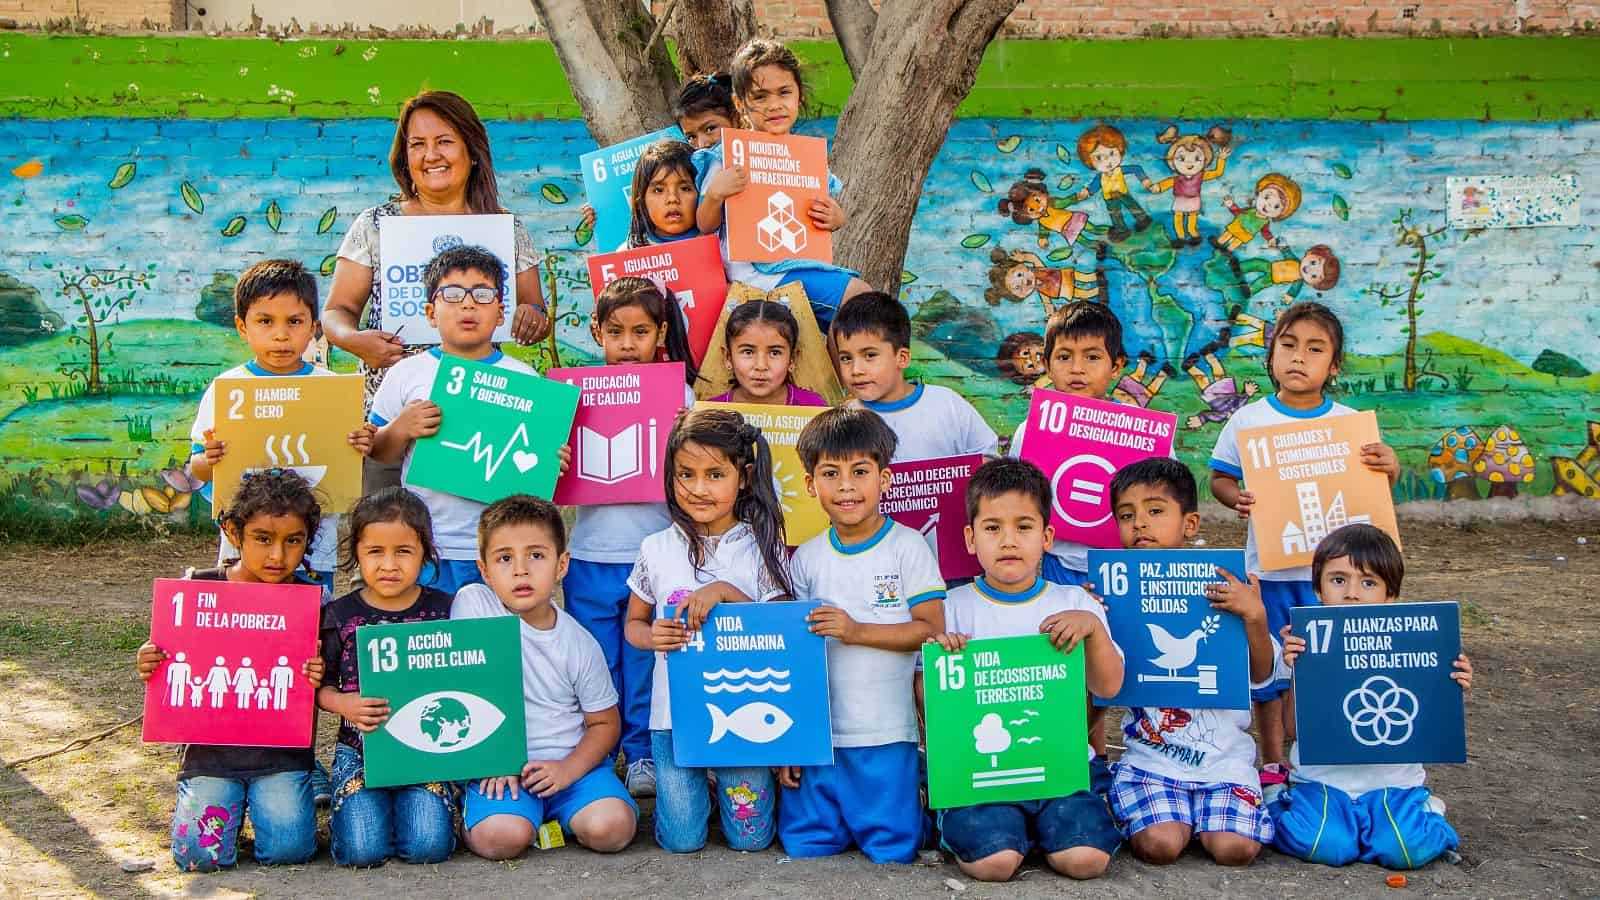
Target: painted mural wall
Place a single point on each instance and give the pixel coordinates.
(1478, 348)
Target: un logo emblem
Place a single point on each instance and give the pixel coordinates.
(446, 242)
(1380, 712)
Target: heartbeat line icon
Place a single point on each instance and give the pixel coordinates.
(484, 453)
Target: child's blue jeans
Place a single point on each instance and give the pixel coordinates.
(746, 799)
(414, 823)
(205, 824)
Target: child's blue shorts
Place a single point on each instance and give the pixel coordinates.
(1397, 828)
(824, 288)
(1279, 597)
(1061, 823)
(599, 784)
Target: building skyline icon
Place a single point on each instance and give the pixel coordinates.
(1316, 522)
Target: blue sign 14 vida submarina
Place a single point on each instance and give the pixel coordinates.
(751, 689)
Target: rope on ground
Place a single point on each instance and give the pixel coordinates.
(76, 744)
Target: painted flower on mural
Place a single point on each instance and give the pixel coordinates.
(100, 495)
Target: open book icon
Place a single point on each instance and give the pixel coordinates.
(605, 459)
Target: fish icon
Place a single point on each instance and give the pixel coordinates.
(758, 723)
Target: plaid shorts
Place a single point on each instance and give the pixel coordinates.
(1140, 799)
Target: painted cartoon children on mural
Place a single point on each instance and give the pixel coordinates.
(1277, 197)
(1139, 387)
(1020, 357)
(1103, 148)
(1029, 201)
(1221, 393)
(1319, 268)
(1019, 274)
(1191, 158)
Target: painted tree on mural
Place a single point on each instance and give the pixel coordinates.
(1421, 271)
(102, 294)
(913, 62)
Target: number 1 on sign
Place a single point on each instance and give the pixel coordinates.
(177, 610)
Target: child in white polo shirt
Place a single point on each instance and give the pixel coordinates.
(882, 597)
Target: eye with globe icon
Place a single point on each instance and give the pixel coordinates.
(445, 722)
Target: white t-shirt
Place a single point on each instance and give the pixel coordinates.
(613, 533)
(663, 576)
(934, 421)
(1203, 745)
(324, 553)
(877, 582)
(1225, 459)
(564, 674)
(455, 519)
(980, 611)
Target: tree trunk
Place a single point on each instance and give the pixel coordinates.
(623, 93)
(709, 32)
(924, 59)
(853, 22)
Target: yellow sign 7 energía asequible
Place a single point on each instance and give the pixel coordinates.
(300, 422)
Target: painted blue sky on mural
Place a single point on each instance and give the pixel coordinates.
(1517, 291)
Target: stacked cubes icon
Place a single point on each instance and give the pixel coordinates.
(780, 228)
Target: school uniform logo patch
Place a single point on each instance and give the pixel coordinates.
(886, 591)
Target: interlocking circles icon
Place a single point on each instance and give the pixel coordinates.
(1380, 712)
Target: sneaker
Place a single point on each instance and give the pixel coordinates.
(321, 786)
(642, 778)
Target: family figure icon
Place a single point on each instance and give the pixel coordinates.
(270, 690)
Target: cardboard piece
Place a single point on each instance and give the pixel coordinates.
(803, 518)
(930, 495)
(1080, 443)
(1005, 722)
(1373, 686)
(1308, 480)
(455, 700)
(407, 243)
(619, 437)
(691, 269)
(295, 422)
(499, 432)
(740, 700)
(608, 183)
(769, 221)
(1178, 651)
(813, 364)
(232, 676)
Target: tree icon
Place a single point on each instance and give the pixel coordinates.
(990, 736)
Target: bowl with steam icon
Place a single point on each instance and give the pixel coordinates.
(288, 451)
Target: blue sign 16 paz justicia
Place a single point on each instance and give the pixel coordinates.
(751, 689)
(1373, 685)
(1178, 650)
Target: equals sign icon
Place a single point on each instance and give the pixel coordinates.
(1084, 491)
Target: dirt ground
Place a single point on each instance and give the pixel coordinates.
(1525, 804)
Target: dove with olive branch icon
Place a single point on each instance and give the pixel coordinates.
(1179, 653)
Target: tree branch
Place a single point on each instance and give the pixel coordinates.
(709, 32)
(623, 90)
(853, 22)
(923, 62)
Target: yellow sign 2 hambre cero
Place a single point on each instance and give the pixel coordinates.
(300, 422)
